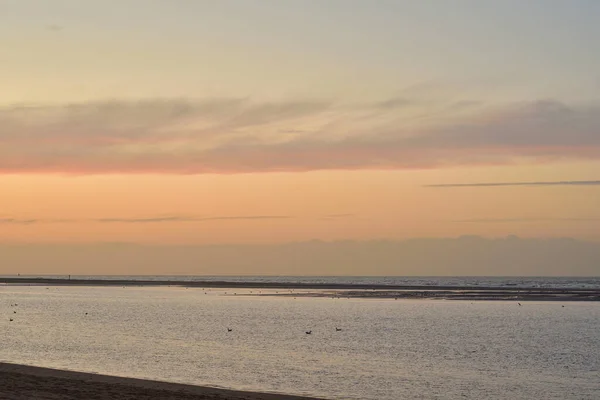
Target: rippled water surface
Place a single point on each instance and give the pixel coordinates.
(386, 350)
(471, 281)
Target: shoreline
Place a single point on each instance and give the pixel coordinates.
(271, 285)
(19, 381)
(339, 290)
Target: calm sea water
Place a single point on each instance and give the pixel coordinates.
(474, 281)
(386, 350)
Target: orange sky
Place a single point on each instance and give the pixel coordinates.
(282, 207)
(226, 122)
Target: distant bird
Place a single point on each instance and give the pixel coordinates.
(563, 306)
(519, 303)
(11, 320)
(229, 329)
(338, 329)
(85, 313)
(308, 332)
(14, 312)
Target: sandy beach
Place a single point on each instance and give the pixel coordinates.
(21, 382)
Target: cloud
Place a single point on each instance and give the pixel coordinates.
(189, 219)
(394, 103)
(496, 184)
(237, 135)
(145, 220)
(54, 28)
(518, 220)
(17, 221)
(335, 217)
(30, 221)
(464, 256)
(250, 217)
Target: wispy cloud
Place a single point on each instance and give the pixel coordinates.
(529, 219)
(189, 219)
(30, 221)
(335, 217)
(250, 217)
(495, 184)
(143, 220)
(17, 221)
(241, 135)
(394, 103)
(54, 28)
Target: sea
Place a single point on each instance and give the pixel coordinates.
(358, 348)
(462, 281)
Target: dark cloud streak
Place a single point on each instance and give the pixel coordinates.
(533, 220)
(167, 219)
(17, 221)
(144, 220)
(501, 184)
(148, 220)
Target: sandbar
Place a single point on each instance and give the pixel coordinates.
(340, 290)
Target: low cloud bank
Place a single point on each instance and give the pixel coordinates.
(469, 255)
(241, 135)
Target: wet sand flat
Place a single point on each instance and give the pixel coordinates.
(344, 289)
(20, 382)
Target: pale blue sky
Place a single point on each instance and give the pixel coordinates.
(505, 50)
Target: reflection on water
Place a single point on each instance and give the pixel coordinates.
(386, 349)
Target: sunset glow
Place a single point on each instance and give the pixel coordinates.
(231, 123)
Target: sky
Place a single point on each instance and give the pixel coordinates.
(247, 122)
